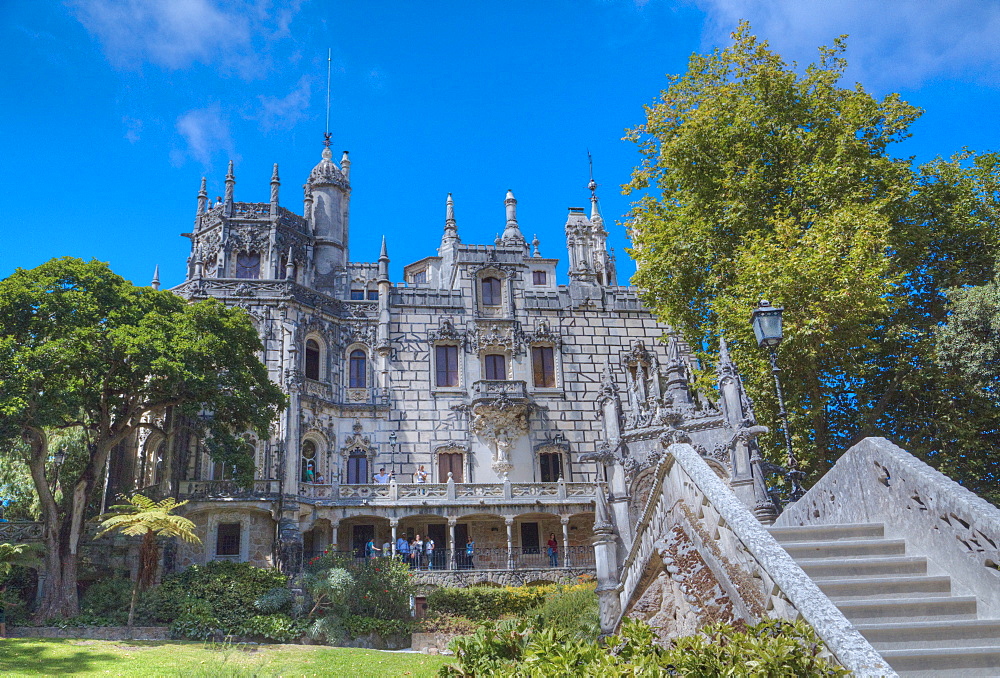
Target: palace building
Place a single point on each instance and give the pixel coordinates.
(488, 391)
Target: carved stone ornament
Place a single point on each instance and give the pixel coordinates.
(506, 336)
(447, 332)
(501, 422)
(637, 355)
(357, 332)
(543, 334)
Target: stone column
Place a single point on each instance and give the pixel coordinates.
(509, 522)
(606, 561)
(334, 537)
(565, 526)
(452, 562)
(394, 523)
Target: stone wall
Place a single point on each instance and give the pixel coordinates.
(90, 632)
(427, 581)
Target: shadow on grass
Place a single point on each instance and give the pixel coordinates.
(47, 656)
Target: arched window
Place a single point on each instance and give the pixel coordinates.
(357, 468)
(358, 369)
(308, 474)
(312, 359)
(248, 265)
(491, 291)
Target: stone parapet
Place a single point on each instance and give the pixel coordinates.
(427, 581)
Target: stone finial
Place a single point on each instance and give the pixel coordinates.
(275, 184)
(345, 165)
(203, 196)
(535, 243)
(289, 264)
(156, 278)
(230, 183)
(512, 236)
(450, 225)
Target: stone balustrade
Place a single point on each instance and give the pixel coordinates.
(450, 492)
(878, 482)
(757, 574)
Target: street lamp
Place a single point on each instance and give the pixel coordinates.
(392, 451)
(58, 457)
(766, 322)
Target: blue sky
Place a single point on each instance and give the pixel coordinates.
(114, 109)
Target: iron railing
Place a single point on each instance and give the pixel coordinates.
(488, 558)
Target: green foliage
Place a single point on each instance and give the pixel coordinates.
(107, 599)
(570, 610)
(485, 602)
(513, 648)
(82, 348)
(761, 180)
(275, 628)
(361, 597)
(450, 624)
(18, 555)
(222, 590)
(969, 342)
(278, 599)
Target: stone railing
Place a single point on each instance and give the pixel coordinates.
(756, 571)
(878, 482)
(450, 492)
(491, 388)
(13, 533)
(212, 489)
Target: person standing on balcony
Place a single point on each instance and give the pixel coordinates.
(403, 549)
(310, 472)
(420, 476)
(320, 480)
(553, 550)
(429, 551)
(470, 551)
(382, 478)
(416, 552)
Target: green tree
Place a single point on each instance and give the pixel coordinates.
(762, 182)
(143, 517)
(83, 349)
(17, 555)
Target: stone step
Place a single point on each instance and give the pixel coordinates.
(885, 587)
(873, 611)
(945, 661)
(784, 535)
(845, 548)
(923, 635)
(823, 568)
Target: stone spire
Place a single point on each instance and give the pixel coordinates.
(275, 184)
(289, 262)
(450, 226)
(345, 165)
(512, 236)
(383, 262)
(156, 278)
(230, 184)
(203, 197)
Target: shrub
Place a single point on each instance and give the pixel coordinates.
(278, 599)
(451, 624)
(230, 590)
(572, 610)
(108, 599)
(356, 626)
(487, 602)
(773, 648)
(277, 628)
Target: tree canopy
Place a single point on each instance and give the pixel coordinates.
(761, 181)
(83, 349)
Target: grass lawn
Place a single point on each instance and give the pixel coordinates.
(67, 657)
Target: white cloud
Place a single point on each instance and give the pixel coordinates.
(892, 43)
(285, 112)
(175, 34)
(206, 132)
(133, 128)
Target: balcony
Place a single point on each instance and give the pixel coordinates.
(228, 489)
(490, 558)
(490, 390)
(448, 493)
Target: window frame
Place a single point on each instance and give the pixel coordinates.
(535, 275)
(240, 268)
(544, 349)
(495, 286)
(490, 366)
(357, 378)
(233, 542)
(358, 457)
(447, 348)
(308, 360)
(545, 466)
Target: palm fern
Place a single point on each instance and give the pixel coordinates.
(144, 517)
(11, 555)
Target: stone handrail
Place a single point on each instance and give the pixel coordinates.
(451, 491)
(16, 532)
(732, 540)
(878, 482)
(205, 489)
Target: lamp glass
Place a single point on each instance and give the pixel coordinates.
(766, 321)
(392, 438)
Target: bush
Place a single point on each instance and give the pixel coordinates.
(230, 590)
(278, 599)
(513, 648)
(108, 599)
(450, 624)
(487, 602)
(276, 628)
(356, 626)
(572, 610)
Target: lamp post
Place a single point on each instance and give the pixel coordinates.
(59, 456)
(392, 451)
(766, 322)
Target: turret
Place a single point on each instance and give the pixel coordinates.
(230, 188)
(328, 214)
(155, 284)
(384, 292)
(275, 185)
(512, 236)
(450, 225)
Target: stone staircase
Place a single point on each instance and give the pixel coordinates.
(912, 617)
